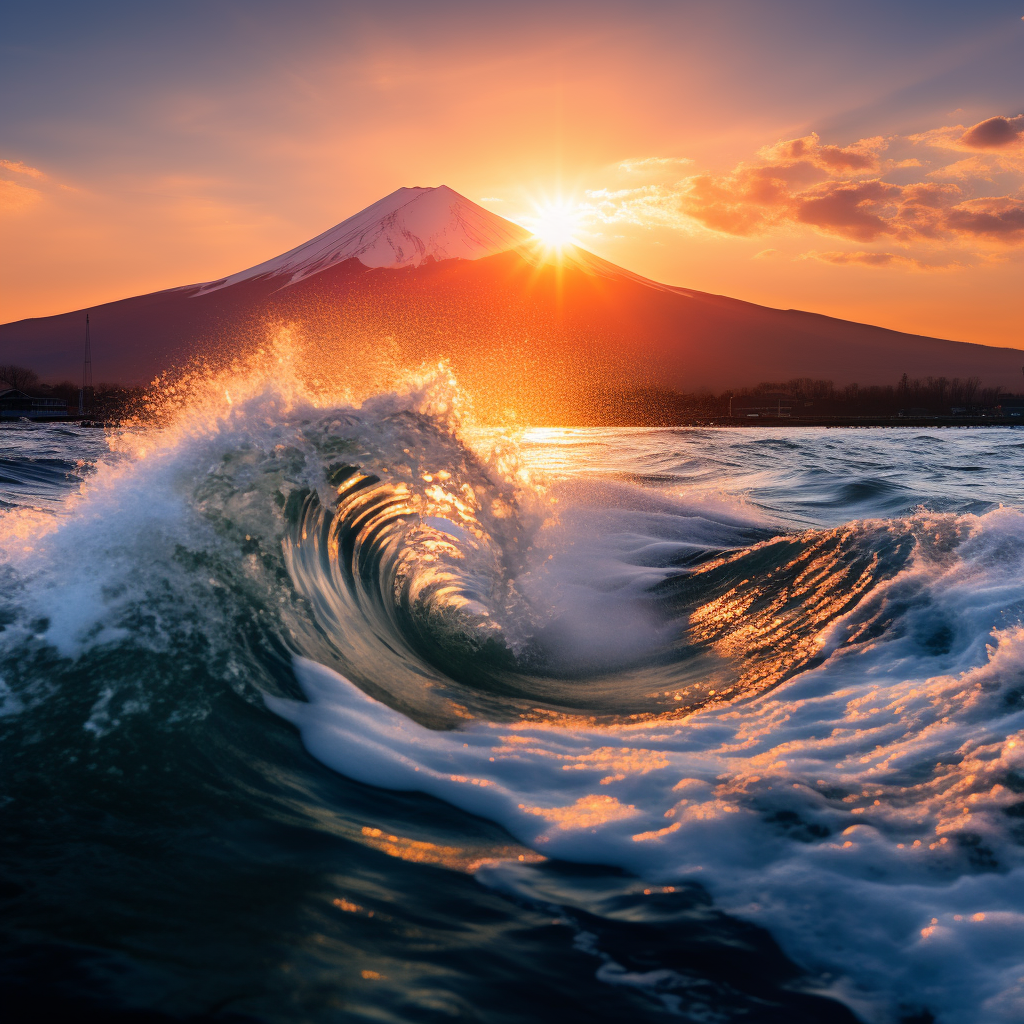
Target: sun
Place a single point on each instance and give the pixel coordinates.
(555, 223)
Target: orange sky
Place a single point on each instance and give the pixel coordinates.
(793, 157)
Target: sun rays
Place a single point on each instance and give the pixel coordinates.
(555, 223)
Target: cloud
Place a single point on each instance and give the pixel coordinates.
(995, 133)
(654, 163)
(15, 197)
(645, 206)
(791, 182)
(861, 157)
(851, 211)
(753, 200)
(1000, 218)
(747, 202)
(875, 208)
(841, 191)
(19, 168)
(971, 168)
(873, 259)
(767, 254)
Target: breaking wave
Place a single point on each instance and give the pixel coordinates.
(801, 694)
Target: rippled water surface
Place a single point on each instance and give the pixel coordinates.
(331, 714)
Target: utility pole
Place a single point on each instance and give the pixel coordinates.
(86, 369)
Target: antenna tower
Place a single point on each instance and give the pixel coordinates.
(87, 362)
(86, 369)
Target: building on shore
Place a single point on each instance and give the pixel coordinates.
(773, 404)
(16, 405)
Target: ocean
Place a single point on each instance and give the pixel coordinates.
(319, 712)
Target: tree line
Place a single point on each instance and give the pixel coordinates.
(109, 401)
(801, 397)
(929, 395)
(804, 397)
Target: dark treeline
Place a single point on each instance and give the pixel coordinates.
(936, 396)
(104, 401)
(809, 399)
(799, 398)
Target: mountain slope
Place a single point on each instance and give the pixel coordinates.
(426, 274)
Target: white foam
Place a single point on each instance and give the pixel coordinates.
(915, 898)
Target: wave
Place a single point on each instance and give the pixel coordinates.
(820, 725)
(39, 463)
(865, 809)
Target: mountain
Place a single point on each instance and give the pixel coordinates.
(404, 229)
(425, 274)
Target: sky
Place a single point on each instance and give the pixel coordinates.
(860, 160)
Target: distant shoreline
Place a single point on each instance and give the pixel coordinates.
(840, 421)
(737, 422)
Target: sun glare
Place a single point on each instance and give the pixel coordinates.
(555, 224)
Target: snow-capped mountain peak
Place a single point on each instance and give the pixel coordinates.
(403, 229)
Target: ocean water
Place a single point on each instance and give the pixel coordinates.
(317, 712)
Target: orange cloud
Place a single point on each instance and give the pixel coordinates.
(800, 182)
(745, 203)
(19, 168)
(971, 168)
(853, 211)
(995, 133)
(15, 197)
(861, 157)
(654, 163)
(1000, 136)
(645, 206)
(1000, 218)
(873, 259)
(753, 200)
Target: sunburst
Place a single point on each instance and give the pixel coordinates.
(555, 223)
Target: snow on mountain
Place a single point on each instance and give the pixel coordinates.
(401, 230)
(411, 226)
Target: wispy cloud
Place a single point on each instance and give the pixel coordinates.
(19, 168)
(654, 163)
(874, 259)
(644, 206)
(15, 197)
(971, 168)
